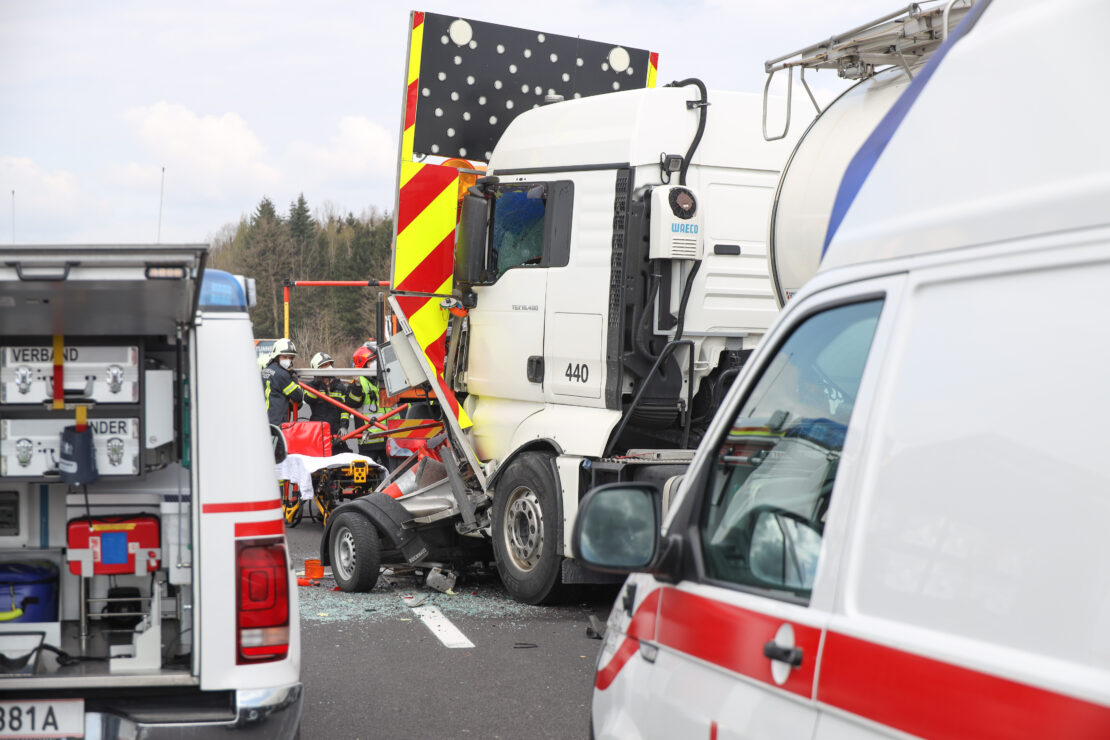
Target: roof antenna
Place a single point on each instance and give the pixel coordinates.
(161, 194)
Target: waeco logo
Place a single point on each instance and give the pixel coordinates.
(684, 228)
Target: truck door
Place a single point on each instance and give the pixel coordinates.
(507, 326)
(738, 645)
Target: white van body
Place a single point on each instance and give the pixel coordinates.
(923, 554)
(196, 460)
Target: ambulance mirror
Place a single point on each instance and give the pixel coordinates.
(617, 527)
(783, 548)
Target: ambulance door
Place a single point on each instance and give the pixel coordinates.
(738, 644)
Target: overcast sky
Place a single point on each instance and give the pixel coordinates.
(237, 100)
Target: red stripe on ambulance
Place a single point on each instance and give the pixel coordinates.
(259, 529)
(642, 626)
(931, 698)
(733, 638)
(898, 689)
(239, 506)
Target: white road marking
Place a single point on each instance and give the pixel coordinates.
(442, 627)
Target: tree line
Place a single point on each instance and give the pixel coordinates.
(272, 248)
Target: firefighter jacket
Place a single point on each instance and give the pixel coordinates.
(280, 390)
(360, 392)
(324, 411)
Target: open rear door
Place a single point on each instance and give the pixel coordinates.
(98, 290)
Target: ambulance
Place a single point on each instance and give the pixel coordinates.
(895, 525)
(145, 581)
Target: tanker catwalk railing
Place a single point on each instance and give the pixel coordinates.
(905, 38)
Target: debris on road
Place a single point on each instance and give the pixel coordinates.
(414, 600)
(595, 630)
(441, 580)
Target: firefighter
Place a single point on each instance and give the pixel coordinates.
(278, 383)
(372, 360)
(362, 394)
(334, 388)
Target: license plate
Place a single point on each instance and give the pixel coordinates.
(58, 718)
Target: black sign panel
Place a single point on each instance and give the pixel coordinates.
(476, 77)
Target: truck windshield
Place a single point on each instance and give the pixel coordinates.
(518, 227)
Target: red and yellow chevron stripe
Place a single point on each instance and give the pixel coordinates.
(428, 322)
(397, 429)
(416, 41)
(427, 209)
(653, 68)
(424, 246)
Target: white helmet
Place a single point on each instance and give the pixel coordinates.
(320, 358)
(284, 347)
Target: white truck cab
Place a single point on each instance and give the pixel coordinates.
(145, 583)
(894, 525)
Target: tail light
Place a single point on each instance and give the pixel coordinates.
(262, 601)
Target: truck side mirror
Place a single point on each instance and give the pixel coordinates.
(470, 247)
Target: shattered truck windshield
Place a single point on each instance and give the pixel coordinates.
(518, 227)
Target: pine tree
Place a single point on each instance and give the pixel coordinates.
(336, 247)
(264, 212)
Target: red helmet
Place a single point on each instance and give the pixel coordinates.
(362, 356)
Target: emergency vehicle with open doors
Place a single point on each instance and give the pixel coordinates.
(145, 583)
(894, 526)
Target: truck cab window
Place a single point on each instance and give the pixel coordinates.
(518, 227)
(768, 495)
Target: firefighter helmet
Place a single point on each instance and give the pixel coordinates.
(284, 347)
(320, 359)
(362, 356)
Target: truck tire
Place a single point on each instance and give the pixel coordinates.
(528, 529)
(356, 552)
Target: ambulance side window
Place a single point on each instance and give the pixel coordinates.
(768, 494)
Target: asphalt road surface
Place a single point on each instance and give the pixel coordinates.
(378, 665)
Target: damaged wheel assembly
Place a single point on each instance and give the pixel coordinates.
(355, 552)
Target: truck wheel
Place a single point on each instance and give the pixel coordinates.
(528, 529)
(356, 552)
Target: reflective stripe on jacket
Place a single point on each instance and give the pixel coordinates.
(280, 391)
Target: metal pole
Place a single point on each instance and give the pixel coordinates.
(161, 195)
(379, 328)
(13, 215)
(340, 283)
(286, 312)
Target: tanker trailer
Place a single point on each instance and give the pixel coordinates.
(884, 57)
